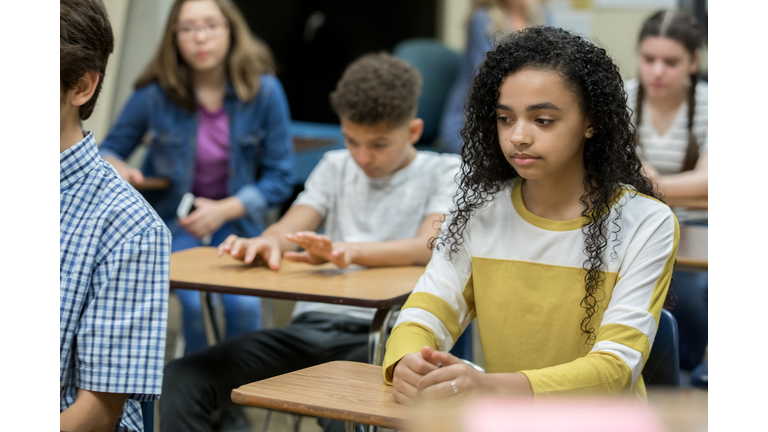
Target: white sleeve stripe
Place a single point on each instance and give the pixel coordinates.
(440, 287)
(632, 358)
(642, 321)
(430, 321)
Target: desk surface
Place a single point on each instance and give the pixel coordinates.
(348, 391)
(694, 203)
(200, 269)
(692, 249)
(152, 183)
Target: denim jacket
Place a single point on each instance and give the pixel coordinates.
(261, 155)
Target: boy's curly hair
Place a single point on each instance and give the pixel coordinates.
(377, 89)
(610, 157)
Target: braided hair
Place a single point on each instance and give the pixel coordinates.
(610, 157)
(682, 28)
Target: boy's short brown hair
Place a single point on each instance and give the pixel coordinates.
(86, 41)
(378, 89)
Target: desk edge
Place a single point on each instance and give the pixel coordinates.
(287, 295)
(315, 410)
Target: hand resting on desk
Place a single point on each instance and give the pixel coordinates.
(319, 249)
(417, 377)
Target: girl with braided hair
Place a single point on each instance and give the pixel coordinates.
(670, 104)
(557, 242)
(669, 107)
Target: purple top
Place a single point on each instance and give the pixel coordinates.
(212, 159)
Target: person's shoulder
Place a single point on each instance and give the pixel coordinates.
(333, 161)
(438, 162)
(123, 209)
(642, 208)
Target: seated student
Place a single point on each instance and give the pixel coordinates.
(114, 249)
(218, 125)
(379, 202)
(556, 244)
(669, 106)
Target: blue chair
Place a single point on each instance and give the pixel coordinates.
(700, 376)
(663, 364)
(439, 67)
(148, 413)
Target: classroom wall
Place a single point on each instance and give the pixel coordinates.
(100, 120)
(616, 28)
(137, 26)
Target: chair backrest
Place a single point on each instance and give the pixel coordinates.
(439, 66)
(663, 364)
(148, 412)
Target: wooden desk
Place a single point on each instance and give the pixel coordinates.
(383, 288)
(152, 183)
(692, 252)
(356, 393)
(693, 203)
(348, 391)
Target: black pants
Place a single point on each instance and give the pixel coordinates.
(194, 387)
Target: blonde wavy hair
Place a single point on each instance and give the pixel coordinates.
(247, 59)
(534, 14)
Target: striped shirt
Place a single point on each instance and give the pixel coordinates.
(114, 269)
(666, 152)
(521, 276)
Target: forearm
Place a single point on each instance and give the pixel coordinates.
(413, 251)
(92, 412)
(507, 383)
(232, 208)
(685, 184)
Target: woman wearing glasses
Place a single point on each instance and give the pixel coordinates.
(216, 121)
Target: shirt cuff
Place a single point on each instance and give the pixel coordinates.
(256, 207)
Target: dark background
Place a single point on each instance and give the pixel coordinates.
(314, 41)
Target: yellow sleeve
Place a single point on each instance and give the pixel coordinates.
(625, 336)
(406, 338)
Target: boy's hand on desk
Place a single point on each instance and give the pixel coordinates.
(266, 247)
(407, 374)
(318, 249)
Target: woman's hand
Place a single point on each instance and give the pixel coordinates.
(318, 249)
(208, 217)
(455, 378)
(266, 247)
(408, 371)
(131, 174)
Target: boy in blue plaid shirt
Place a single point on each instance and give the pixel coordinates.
(114, 253)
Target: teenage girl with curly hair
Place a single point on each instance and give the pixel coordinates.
(557, 242)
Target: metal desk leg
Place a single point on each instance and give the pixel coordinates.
(213, 331)
(267, 313)
(377, 337)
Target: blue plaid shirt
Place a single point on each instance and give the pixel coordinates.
(114, 272)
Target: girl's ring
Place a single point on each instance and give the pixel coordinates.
(453, 385)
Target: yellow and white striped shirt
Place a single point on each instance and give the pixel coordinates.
(521, 276)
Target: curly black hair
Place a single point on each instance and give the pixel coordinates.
(610, 157)
(378, 89)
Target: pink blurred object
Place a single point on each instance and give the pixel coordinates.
(560, 415)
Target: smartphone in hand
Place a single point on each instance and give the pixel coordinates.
(187, 206)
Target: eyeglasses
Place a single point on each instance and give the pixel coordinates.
(212, 28)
